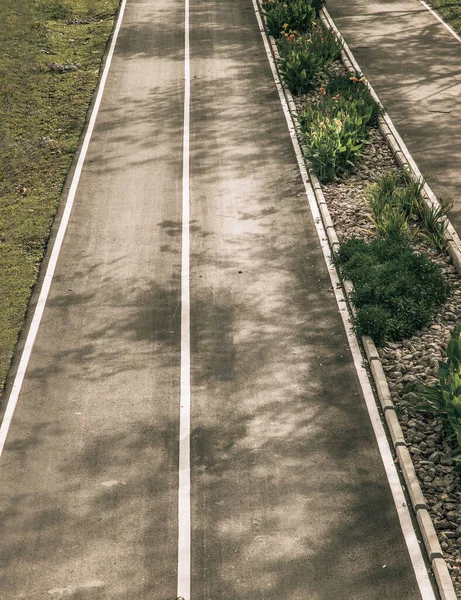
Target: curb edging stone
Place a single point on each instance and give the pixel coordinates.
(403, 157)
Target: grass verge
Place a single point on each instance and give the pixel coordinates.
(50, 55)
(450, 11)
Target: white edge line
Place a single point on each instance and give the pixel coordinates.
(184, 504)
(439, 18)
(422, 578)
(45, 289)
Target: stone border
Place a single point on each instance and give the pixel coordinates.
(403, 157)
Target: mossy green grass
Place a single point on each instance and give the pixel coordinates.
(50, 57)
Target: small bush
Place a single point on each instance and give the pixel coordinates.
(325, 44)
(318, 5)
(303, 58)
(335, 132)
(374, 322)
(395, 198)
(353, 86)
(299, 65)
(405, 286)
(434, 222)
(444, 398)
(297, 15)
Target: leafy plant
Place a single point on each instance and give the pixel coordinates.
(318, 5)
(444, 398)
(276, 14)
(297, 15)
(303, 58)
(434, 222)
(396, 291)
(299, 64)
(325, 44)
(391, 220)
(392, 201)
(335, 132)
(353, 86)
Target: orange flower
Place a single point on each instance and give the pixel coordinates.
(354, 79)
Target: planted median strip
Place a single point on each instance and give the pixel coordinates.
(392, 244)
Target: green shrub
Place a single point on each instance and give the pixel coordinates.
(318, 5)
(351, 87)
(334, 134)
(299, 66)
(392, 201)
(326, 44)
(303, 58)
(55, 10)
(387, 275)
(296, 15)
(374, 322)
(444, 398)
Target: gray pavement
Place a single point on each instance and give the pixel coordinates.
(289, 495)
(414, 64)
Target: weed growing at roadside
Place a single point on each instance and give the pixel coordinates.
(444, 398)
(334, 134)
(297, 15)
(353, 86)
(396, 290)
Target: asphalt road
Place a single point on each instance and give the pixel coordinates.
(414, 64)
(289, 495)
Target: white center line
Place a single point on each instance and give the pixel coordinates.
(45, 289)
(184, 516)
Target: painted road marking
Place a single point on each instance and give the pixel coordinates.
(45, 289)
(422, 578)
(184, 516)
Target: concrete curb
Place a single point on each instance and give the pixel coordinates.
(418, 502)
(398, 147)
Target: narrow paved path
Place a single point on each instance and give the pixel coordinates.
(289, 495)
(414, 64)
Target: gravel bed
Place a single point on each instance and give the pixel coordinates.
(410, 362)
